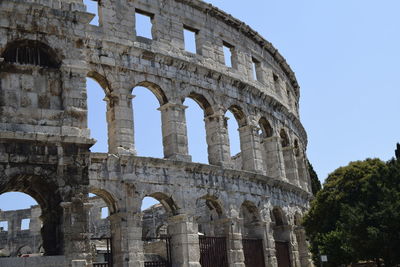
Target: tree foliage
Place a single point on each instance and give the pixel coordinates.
(356, 216)
(315, 183)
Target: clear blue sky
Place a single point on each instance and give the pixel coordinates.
(345, 54)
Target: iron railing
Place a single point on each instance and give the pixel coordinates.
(253, 252)
(213, 252)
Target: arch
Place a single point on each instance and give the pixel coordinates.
(108, 198)
(213, 204)
(278, 217)
(45, 192)
(31, 52)
(266, 128)
(297, 219)
(209, 212)
(155, 89)
(296, 148)
(251, 211)
(38, 187)
(202, 102)
(101, 80)
(167, 202)
(239, 115)
(284, 138)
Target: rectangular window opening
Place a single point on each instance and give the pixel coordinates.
(3, 226)
(256, 69)
(104, 212)
(144, 24)
(189, 38)
(228, 52)
(25, 224)
(92, 6)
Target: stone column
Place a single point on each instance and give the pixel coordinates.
(120, 124)
(302, 168)
(304, 254)
(218, 140)
(267, 231)
(174, 132)
(76, 231)
(251, 149)
(295, 259)
(127, 244)
(290, 165)
(235, 246)
(185, 247)
(274, 157)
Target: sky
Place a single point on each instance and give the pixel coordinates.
(345, 54)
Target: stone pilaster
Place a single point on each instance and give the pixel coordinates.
(294, 248)
(235, 246)
(290, 165)
(269, 241)
(76, 237)
(127, 241)
(185, 247)
(274, 157)
(261, 230)
(218, 140)
(304, 255)
(120, 124)
(302, 169)
(174, 132)
(251, 149)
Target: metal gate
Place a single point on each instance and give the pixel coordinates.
(213, 252)
(104, 250)
(282, 254)
(253, 252)
(167, 253)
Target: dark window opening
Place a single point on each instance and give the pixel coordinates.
(30, 53)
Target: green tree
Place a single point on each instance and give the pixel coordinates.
(315, 183)
(356, 216)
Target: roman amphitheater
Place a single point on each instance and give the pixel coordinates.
(235, 211)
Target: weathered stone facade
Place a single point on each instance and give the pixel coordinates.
(48, 48)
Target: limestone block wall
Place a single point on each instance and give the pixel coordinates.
(49, 47)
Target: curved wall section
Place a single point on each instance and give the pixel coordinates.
(250, 201)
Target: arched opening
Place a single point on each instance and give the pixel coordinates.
(97, 113)
(250, 220)
(102, 206)
(147, 120)
(281, 234)
(284, 138)
(209, 216)
(48, 197)
(235, 120)
(296, 148)
(156, 208)
(30, 52)
(266, 128)
(20, 217)
(212, 231)
(198, 109)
